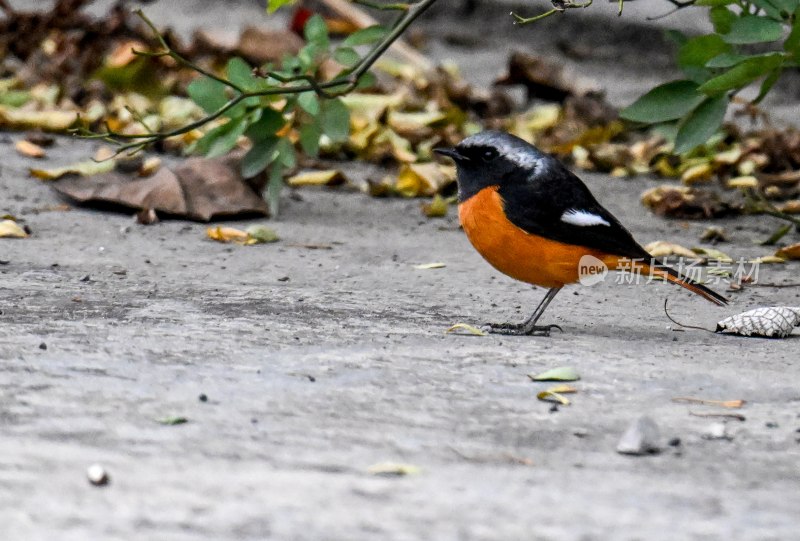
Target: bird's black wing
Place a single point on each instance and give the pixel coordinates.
(537, 205)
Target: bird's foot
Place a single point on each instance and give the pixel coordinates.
(519, 329)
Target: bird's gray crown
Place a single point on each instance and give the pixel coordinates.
(511, 147)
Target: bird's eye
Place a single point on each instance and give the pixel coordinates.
(489, 154)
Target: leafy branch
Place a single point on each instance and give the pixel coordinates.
(340, 85)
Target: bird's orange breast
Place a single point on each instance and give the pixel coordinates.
(515, 252)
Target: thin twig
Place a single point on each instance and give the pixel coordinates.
(559, 6)
(681, 324)
(342, 84)
(737, 416)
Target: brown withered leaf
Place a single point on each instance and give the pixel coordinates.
(685, 202)
(545, 79)
(199, 189)
(259, 46)
(789, 252)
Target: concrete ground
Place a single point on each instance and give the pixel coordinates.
(107, 327)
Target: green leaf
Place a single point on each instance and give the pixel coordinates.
(767, 85)
(754, 29)
(693, 55)
(309, 102)
(366, 81)
(221, 139)
(564, 373)
(665, 102)
(792, 43)
(265, 128)
(701, 123)
(335, 120)
(14, 98)
(274, 5)
(207, 93)
(285, 154)
(274, 188)
(726, 60)
(259, 157)
(741, 74)
(786, 6)
(240, 73)
(676, 36)
(768, 7)
(171, 421)
(365, 36)
(316, 32)
(714, 3)
(346, 56)
(722, 18)
(309, 138)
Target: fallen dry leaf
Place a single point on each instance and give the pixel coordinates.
(734, 404)
(767, 260)
(789, 252)
(469, 329)
(436, 208)
(11, 229)
(545, 79)
(415, 179)
(685, 202)
(562, 373)
(31, 150)
(712, 254)
(773, 322)
(85, 168)
(331, 177)
(393, 469)
(55, 120)
(198, 189)
(146, 217)
(426, 266)
(555, 394)
(661, 248)
(255, 234)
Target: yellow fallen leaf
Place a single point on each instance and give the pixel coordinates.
(227, 234)
(48, 120)
(466, 327)
(331, 177)
(11, 229)
(256, 234)
(87, 168)
(563, 389)
(437, 208)
(767, 260)
(697, 173)
(415, 179)
(713, 254)
(150, 166)
(552, 396)
(31, 150)
(747, 181)
(393, 469)
(735, 404)
(789, 252)
(661, 248)
(425, 266)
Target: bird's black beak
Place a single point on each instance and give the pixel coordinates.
(451, 153)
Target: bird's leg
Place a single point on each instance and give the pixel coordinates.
(529, 326)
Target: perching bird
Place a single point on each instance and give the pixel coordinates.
(533, 219)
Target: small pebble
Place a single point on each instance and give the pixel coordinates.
(43, 346)
(641, 438)
(716, 431)
(674, 442)
(771, 424)
(202, 397)
(97, 475)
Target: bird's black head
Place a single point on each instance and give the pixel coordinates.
(493, 158)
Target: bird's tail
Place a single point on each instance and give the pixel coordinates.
(671, 275)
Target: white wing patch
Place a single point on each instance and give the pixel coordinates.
(582, 218)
